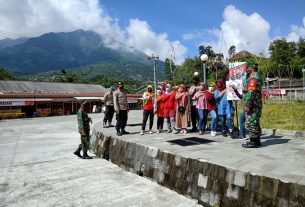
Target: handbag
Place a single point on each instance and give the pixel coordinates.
(181, 109)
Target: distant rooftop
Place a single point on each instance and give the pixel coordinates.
(47, 87)
(242, 54)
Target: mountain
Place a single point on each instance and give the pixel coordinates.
(79, 50)
(11, 42)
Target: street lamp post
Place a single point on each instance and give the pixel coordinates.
(204, 58)
(153, 59)
(303, 70)
(267, 79)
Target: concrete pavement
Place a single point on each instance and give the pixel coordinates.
(39, 169)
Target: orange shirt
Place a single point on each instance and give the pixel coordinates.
(160, 108)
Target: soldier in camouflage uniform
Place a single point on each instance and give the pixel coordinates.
(253, 106)
(84, 129)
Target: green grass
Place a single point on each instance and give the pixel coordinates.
(287, 116)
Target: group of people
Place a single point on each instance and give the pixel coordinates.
(184, 108)
(187, 105)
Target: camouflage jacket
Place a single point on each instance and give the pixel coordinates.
(252, 97)
(83, 120)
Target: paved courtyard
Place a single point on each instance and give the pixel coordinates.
(280, 157)
(39, 169)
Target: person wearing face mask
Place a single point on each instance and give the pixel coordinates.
(121, 109)
(202, 107)
(160, 110)
(182, 109)
(194, 113)
(109, 112)
(225, 108)
(212, 107)
(148, 109)
(169, 100)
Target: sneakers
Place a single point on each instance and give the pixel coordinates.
(150, 132)
(142, 132)
(105, 124)
(169, 131)
(213, 133)
(200, 133)
(175, 132)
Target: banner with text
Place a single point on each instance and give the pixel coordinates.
(237, 76)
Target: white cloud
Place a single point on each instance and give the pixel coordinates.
(297, 32)
(246, 32)
(193, 35)
(140, 36)
(35, 17)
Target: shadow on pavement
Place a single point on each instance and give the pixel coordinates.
(274, 141)
(271, 137)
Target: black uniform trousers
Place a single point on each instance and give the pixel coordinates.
(121, 120)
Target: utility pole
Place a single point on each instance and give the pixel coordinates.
(303, 71)
(153, 60)
(171, 60)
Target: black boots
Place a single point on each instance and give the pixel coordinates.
(86, 156)
(118, 132)
(253, 143)
(77, 152)
(121, 132)
(124, 132)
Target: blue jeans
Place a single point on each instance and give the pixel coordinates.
(223, 119)
(214, 120)
(242, 120)
(202, 113)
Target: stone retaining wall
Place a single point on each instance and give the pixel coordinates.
(210, 184)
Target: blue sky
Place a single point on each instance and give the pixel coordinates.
(177, 18)
(151, 26)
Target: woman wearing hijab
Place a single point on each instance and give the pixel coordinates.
(212, 107)
(202, 107)
(148, 109)
(160, 111)
(182, 109)
(224, 107)
(168, 98)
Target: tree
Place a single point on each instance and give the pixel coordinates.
(232, 51)
(6, 75)
(301, 48)
(283, 52)
(168, 69)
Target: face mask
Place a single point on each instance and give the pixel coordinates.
(121, 87)
(168, 89)
(149, 90)
(211, 88)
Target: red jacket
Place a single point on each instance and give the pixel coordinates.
(169, 101)
(212, 105)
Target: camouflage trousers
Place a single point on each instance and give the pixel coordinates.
(85, 139)
(253, 125)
